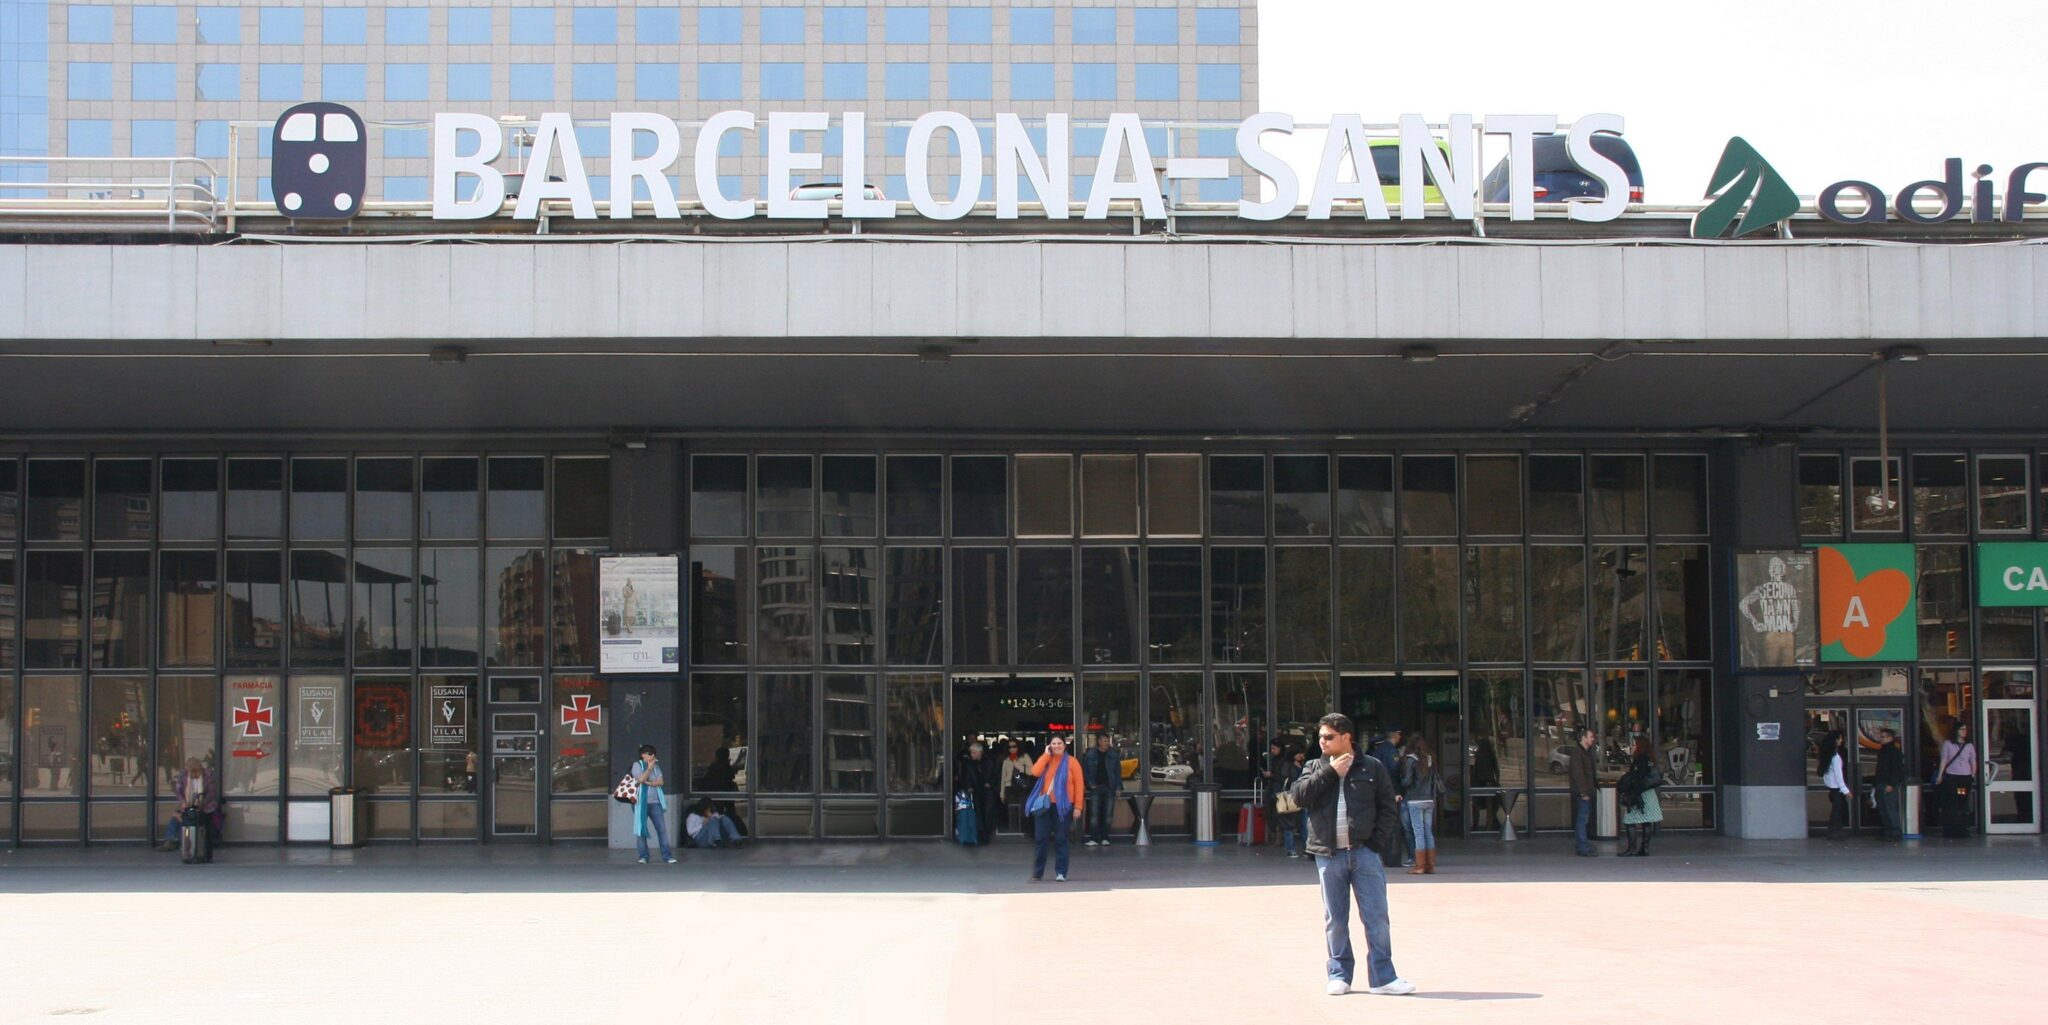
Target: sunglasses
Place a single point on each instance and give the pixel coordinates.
(1326, 736)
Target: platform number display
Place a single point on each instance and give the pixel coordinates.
(319, 162)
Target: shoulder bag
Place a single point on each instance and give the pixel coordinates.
(628, 790)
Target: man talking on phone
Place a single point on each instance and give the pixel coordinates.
(1352, 818)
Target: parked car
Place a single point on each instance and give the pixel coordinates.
(1559, 180)
(831, 190)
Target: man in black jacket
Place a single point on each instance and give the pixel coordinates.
(1102, 771)
(1891, 783)
(1352, 818)
(1584, 779)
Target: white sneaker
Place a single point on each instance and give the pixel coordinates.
(1397, 988)
(1337, 988)
(1060, 878)
(1089, 843)
(643, 861)
(671, 860)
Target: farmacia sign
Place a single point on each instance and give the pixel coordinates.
(466, 144)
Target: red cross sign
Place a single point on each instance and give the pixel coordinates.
(252, 717)
(580, 715)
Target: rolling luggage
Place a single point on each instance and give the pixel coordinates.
(1251, 819)
(966, 824)
(194, 846)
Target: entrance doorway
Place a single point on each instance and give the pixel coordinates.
(514, 715)
(1862, 728)
(2012, 789)
(1022, 711)
(1425, 702)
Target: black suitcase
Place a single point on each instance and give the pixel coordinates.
(194, 846)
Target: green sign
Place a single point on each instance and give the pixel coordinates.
(1868, 603)
(2012, 573)
(1744, 177)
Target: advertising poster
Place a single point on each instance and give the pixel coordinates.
(317, 714)
(2012, 574)
(1775, 617)
(1868, 603)
(448, 711)
(639, 611)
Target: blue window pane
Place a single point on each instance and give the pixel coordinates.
(970, 26)
(1218, 82)
(282, 82)
(732, 144)
(1088, 142)
(643, 144)
(1095, 81)
(1217, 26)
(1031, 81)
(846, 81)
(210, 139)
(907, 25)
(90, 23)
(718, 25)
(718, 81)
(1216, 143)
(283, 26)
(895, 187)
(782, 81)
(1220, 190)
(153, 82)
(155, 25)
(782, 25)
(405, 142)
(657, 82)
(533, 26)
(90, 80)
(405, 81)
(405, 26)
(469, 26)
(846, 25)
(972, 81)
(1094, 26)
(595, 26)
(152, 138)
(343, 82)
(835, 140)
(908, 82)
(220, 81)
(1159, 81)
(469, 81)
(601, 187)
(731, 186)
(1155, 140)
(89, 139)
(594, 82)
(405, 188)
(533, 81)
(1156, 26)
(344, 26)
(219, 25)
(1031, 25)
(657, 26)
(594, 140)
(895, 139)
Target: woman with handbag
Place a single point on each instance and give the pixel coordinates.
(1419, 785)
(649, 806)
(1641, 813)
(1055, 804)
(1954, 780)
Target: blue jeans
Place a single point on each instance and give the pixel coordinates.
(657, 823)
(1290, 831)
(1050, 826)
(1343, 875)
(1582, 819)
(1101, 807)
(717, 831)
(1422, 823)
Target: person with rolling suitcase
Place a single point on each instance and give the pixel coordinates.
(195, 792)
(195, 847)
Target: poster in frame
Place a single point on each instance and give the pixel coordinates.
(639, 613)
(1776, 621)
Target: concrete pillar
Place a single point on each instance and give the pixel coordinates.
(1763, 787)
(647, 517)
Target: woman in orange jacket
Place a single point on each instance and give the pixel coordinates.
(1054, 806)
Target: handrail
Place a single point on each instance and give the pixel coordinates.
(189, 199)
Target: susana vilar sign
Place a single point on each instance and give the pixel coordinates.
(466, 144)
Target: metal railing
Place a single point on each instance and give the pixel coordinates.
(188, 204)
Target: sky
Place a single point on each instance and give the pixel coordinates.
(1879, 90)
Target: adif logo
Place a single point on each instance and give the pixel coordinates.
(319, 162)
(1743, 175)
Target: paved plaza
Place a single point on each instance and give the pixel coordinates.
(1706, 930)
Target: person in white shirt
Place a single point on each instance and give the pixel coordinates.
(706, 826)
(1830, 764)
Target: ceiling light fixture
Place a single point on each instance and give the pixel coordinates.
(1418, 354)
(443, 355)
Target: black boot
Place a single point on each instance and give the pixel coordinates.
(1643, 849)
(1630, 850)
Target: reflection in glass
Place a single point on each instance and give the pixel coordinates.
(583, 496)
(581, 737)
(381, 728)
(1493, 495)
(1301, 496)
(1685, 749)
(1556, 495)
(783, 610)
(449, 506)
(319, 731)
(1174, 600)
(251, 736)
(784, 734)
(187, 716)
(255, 613)
(1559, 707)
(1109, 496)
(1681, 494)
(1109, 704)
(449, 606)
(848, 583)
(1045, 496)
(118, 736)
(448, 735)
(1173, 495)
(1618, 494)
(1945, 599)
(914, 726)
(54, 767)
(255, 499)
(718, 612)
(1109, 605)
(515, 581)
(718, 496)
(1174, 746)
(718, 733)
(124, 502)
(1299, 699)
(1301, 604)
(849, 734)
(53, 610)
(1876, 498)
(782, 496)
(120, 610)
(384, 487)
(382, 613)
(1621, 710)
(1941, 494)
(1045, 606)
(574, 601)
(1240, 729)
(847, 496)
(1557, 595)
(1619, 589)
(56, 500)
(1497, 753)
(1684, 614)
(1237, 604)
(1429, 603)
(191, 499)
(1365, 605)
(10, 598)
(10, 498)
(2002, 494)
(190, 587)
(1237, 496)
(915, 605)
(914, 492)
(1820, 495)
(1429, 496)
(981, 506)
(319, 508)
(1365, 496)
(981, 606)
(1493, 603)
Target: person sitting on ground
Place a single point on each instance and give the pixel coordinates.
(193, 788)
(709, 827)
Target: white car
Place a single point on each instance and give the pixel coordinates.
(831, 190)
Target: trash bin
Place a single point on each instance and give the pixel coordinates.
(1607, 814)
(1141, 808)
(1909, 812)
(1205, 814)
(1507, 800)
(344, 818)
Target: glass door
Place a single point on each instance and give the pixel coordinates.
(1865, 744)
(515, 746)
(2011, 782)
(1819, 723)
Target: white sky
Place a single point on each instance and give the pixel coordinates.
(1880, 90)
